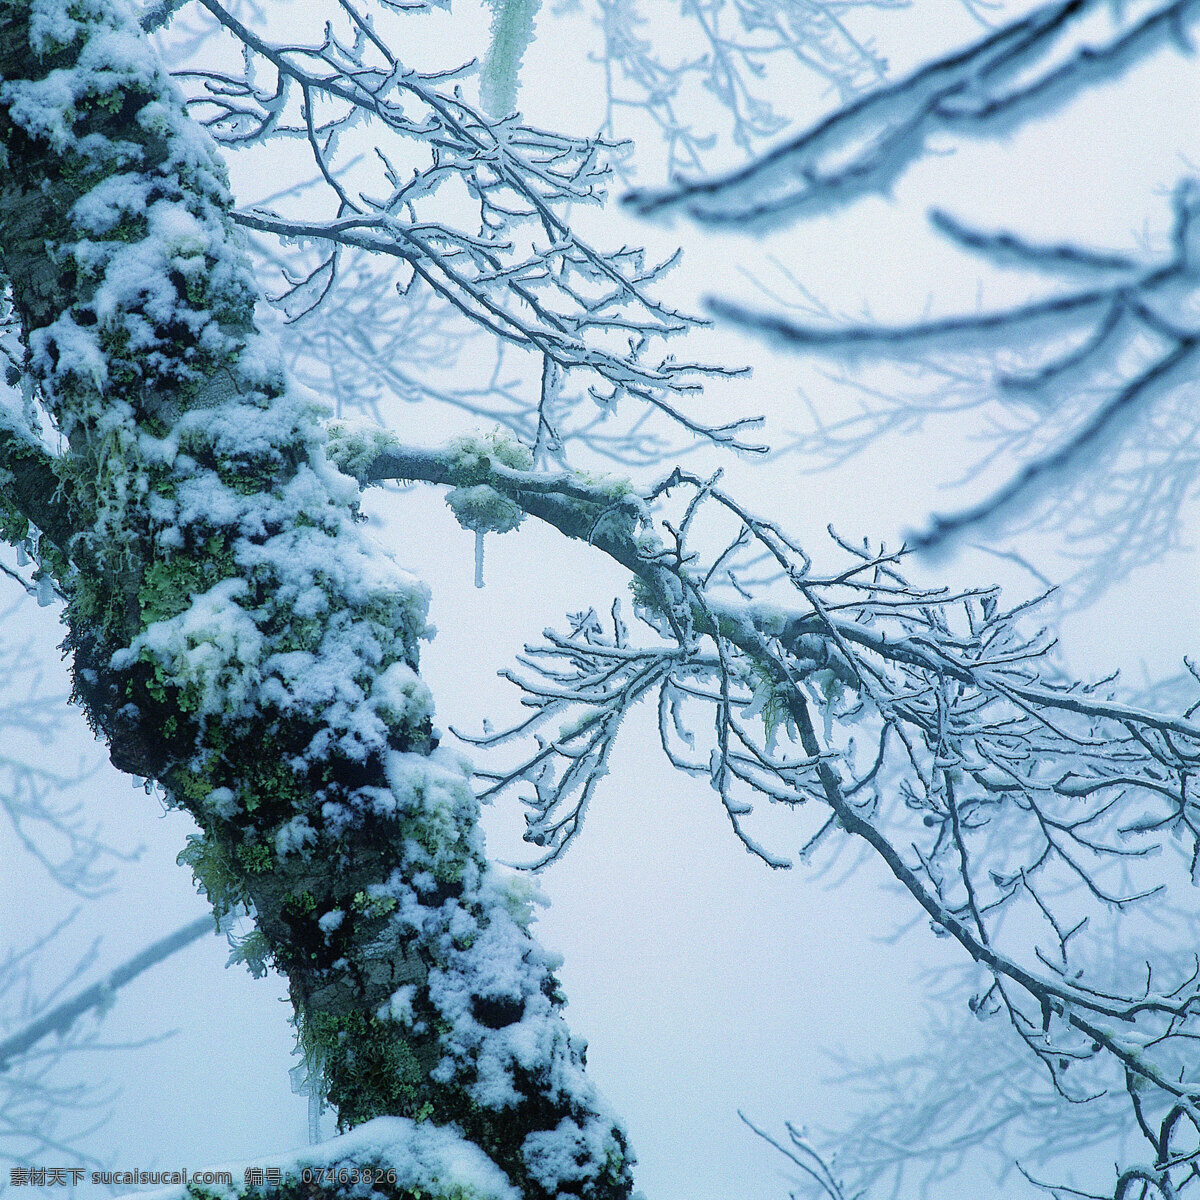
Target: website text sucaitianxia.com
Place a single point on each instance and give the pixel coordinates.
(251, 1176)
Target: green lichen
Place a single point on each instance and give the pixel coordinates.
(215, 875)
(169, 586)
(512, 34)
(498, 444)
(482, 509)
(258, 859)
(14, 525)
(371, 1066)
(354, 450)
(374, 906)
(607, 484)
(254, 951)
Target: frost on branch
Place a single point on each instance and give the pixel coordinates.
(1020, 71)
(235, 636)
(1030, 818)
(1088, 385)
(515, 266)
(512, 33)
(742, 53)
(1105, 355)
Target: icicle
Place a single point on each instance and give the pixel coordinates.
(45, 591)
(22, 557)
(307, 1079)
(479, 558)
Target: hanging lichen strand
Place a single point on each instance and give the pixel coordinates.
(236, 638)
(512, 35)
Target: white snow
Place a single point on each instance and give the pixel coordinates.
(427, 1159)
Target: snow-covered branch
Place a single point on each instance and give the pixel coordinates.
(1024, 69)
(516, 267)
(1109, 351)
(925, 723)
(730, 50)
(1127, 338)
(99, 996)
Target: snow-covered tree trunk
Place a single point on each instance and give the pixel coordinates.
(236, 638)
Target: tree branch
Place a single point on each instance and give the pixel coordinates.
(100, 995)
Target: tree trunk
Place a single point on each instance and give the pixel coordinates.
(236, 638)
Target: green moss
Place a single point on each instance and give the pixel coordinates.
(19, 458)
(612, 487)
(163, 688)
(445, 864)
(289, 632)
(268, 783)
(250, 477)
(14, 525)
(371, 1067)
(373, 906)
(194, 783)
(258, 859)
(132, 227)
(399, 619)
(499, 444)
(206, 1193)
(353, 451)
(96, 607)
(644, 596)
